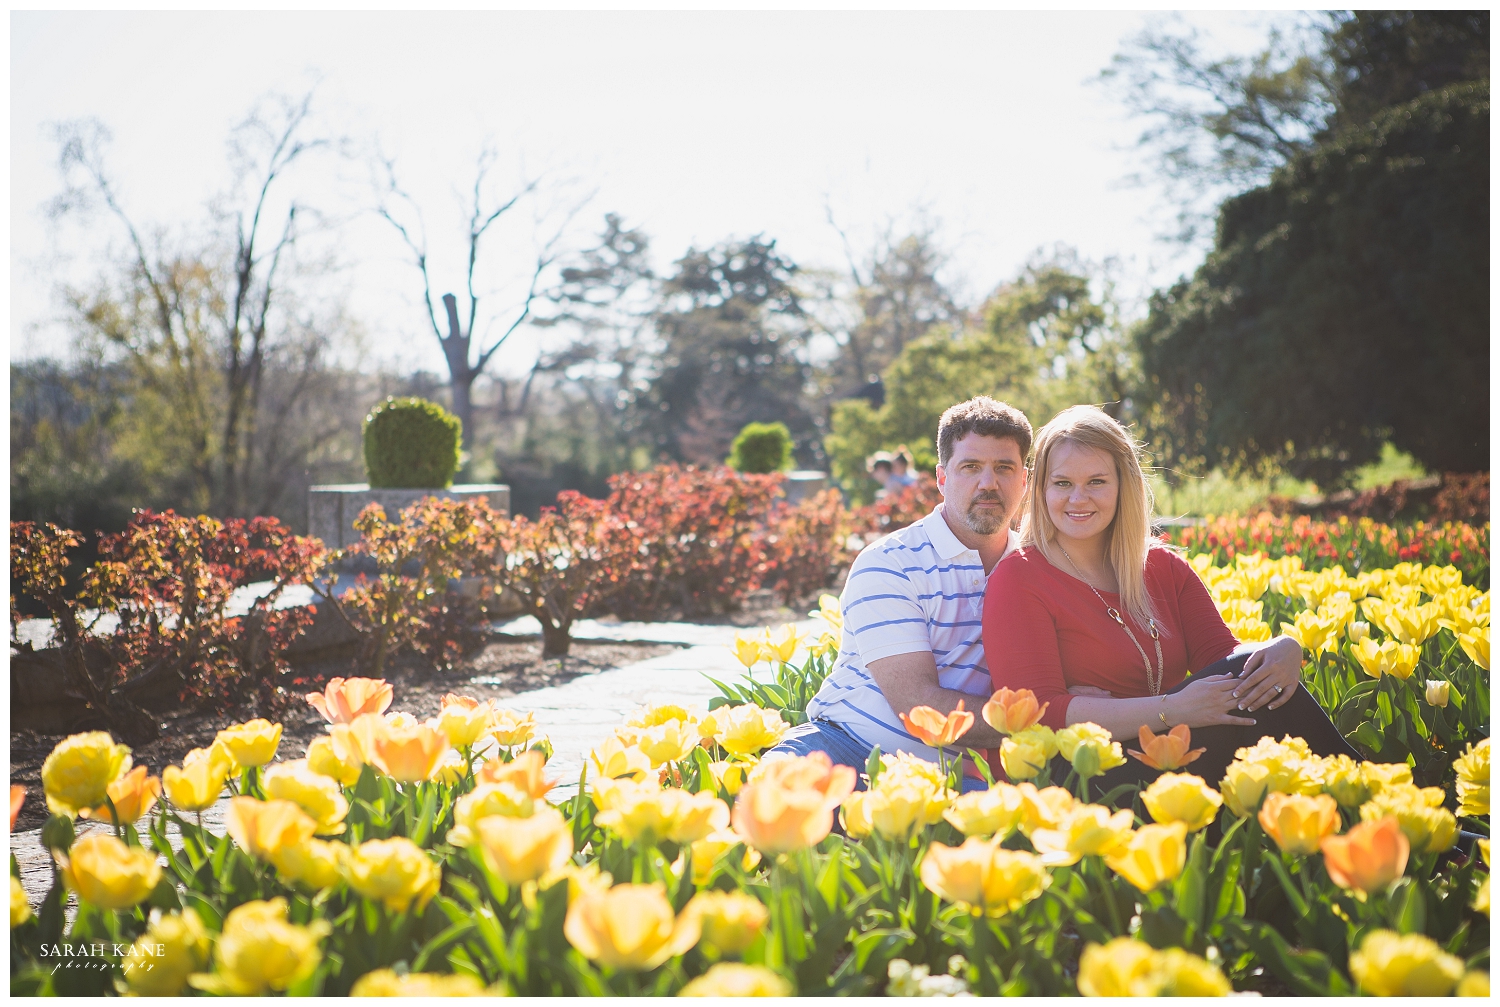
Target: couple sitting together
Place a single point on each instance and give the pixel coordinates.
(1100, 620)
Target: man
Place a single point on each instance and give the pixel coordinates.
(913, 600)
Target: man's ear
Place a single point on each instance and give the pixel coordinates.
(942, 477)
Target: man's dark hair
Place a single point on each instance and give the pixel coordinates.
(984, 416)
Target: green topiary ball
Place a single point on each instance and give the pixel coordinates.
(411, 443)
(762, 447)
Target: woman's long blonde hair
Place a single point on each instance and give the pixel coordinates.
(1130, 531)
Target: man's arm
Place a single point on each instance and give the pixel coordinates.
(908, 680)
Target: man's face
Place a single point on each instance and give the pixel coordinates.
(984, 482)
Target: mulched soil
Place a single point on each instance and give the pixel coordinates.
(507, 665)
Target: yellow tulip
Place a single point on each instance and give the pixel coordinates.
(1428, 825)
(748, 651)
(313, 863)
(78, 772)
(1374, 658)
(729, 775)
(1317, 634)
(344, 699)
(1369, 857)
(998, 811)
(524, 772)
(259, 950)
(389, 983)
(107, 873)
(901, 805)
(1244, 787)
(20, 909)
(646, 814)
(1344, 780)
(1025, 753)
(197, 785)
(464, 720)
(731, 921)
(1088, 830)
(1438, 691)
(784, 644)
(1154, 855)
(1182, 797)
(134, 794)
(790, 804)
(314, 793)
(252, 743)
(395, 872)
(324, 759)
(1413, 624)
(1249, 630)
(1474, 983)
(260, 828)
(407, 754)
(629, 927)
(1124, 967)
(829, 611)
(1380, 775)
(523, 849)
(1389, 964)
(708, 850)
(731, 979)
(1482, 897)
(1045, 808)
(1183, 974)
(1009, 712)
(172, 948)
(486, 801)
(1171, 750)
(854, 814)
(1473, 785)
(669, 742)
(908, 768)
(1090, 749)
(983, 877)
(511, 729)
(614, 759)
(1477, 645)
(1297, 823)
(746, 730)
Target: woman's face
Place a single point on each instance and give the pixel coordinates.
(1082, 492)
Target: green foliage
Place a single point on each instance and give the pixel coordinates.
(761, 448)
(1345, 304)
(1047, 341)
(411, 443)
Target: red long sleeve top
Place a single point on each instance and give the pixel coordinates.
(1046, 631)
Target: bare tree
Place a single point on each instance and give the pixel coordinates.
(465, 357)
(190, 309)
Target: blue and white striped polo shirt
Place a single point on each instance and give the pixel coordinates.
(917, 589)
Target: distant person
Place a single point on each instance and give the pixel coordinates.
(901, 474)
(881, 467)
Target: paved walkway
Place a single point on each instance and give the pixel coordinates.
(576, 716)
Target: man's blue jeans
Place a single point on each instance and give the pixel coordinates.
(839, 745)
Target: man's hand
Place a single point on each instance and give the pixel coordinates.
(910, 680)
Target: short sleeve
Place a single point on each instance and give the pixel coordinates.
(882, 611)
(1205, 635)
(1020, 638)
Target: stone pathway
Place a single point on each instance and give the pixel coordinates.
(577, 716)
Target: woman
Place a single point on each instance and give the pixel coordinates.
(1104, 623)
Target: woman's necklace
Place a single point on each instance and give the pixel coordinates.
(1154, 676)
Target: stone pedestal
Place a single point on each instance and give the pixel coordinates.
(803, 483)
(331, 510)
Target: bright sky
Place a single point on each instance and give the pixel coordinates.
(695, 127)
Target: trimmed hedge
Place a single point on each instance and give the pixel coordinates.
(411, 443)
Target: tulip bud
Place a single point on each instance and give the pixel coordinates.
(1437, 692)
(731, 921)
(731, 979)
(57, 833)
(1359, 631)
(20, 908)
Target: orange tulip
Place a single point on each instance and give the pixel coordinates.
(405, 754)
(134, 795)
(1369, 857)
(929, 726)
(17, 798)
(1298, 823)
(261, 828)
(524, 773)
(1011, 711)
(1167, 751)
(347, 698)
(790, 806)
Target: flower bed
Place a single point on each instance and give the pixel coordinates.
(426, 858)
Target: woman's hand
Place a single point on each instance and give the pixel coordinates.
(1205, 702)
(1270, 676)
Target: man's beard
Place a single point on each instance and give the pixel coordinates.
(985, 522)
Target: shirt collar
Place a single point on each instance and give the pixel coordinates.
(947, 544)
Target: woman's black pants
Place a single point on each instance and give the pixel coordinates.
(1300, 716)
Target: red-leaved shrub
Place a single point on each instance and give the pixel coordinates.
(898, 508)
